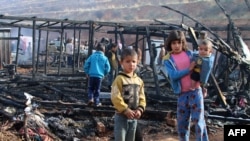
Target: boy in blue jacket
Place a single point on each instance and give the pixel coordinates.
(204, 61)
(96, 67)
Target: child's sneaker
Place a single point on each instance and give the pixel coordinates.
(98, 105)
(90, 103)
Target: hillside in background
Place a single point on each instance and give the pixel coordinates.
(143, 11)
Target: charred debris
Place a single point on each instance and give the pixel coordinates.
(51, 100)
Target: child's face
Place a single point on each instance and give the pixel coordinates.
(129, 63)
(114, 49)
(204, 51)
(176, 46)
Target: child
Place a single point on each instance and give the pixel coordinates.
(70, 52)
(113, 60)
(190, 104)
(96, 67)
(204, 63)
(128, 98)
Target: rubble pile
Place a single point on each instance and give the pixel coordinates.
(55, 108)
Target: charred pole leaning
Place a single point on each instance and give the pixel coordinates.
(152, 60)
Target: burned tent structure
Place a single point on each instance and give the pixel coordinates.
(63, 93)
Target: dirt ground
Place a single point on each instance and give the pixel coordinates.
(12, 135)
(161, 133)
(173, 137)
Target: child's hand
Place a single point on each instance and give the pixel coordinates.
(137, 114)
(204, 91)
(130, 114)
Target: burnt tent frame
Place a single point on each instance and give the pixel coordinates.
(54, 25)
(41, 24)
(158, 29)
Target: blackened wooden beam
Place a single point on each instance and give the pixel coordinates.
(33, 47)
(74, 49)
(25, 26)
(17, 46)
(38, 50)
(78, 50)
(152, 60)
(97, 28)
(44, 24)
(9, 102)
(221, 96)
(116, 36)
(69, 27)
(16, 21)
(135, 32)
(91, 37)
(8, 38)
(136, 40)
(49, 25)
(226, 118)
(47, 51)
(61, 49)
(40, 19)
(193, 38)
(143, 49)
(122, 39)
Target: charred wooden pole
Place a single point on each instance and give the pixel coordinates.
(193, 38)
(143, 50)
(116, 36)
(164, 36)
(61, 49)
(222, 97)
(152, 60)
(122, 39)
(47, 51)
(91, 35)
(74, 48)
(78, 51)
(18, 44)
(229, 27)
(33, 47)
(38, 50)
(136, 39)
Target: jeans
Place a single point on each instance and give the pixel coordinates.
(191, 104)
(125, 128)
(70, 60)
(94, 88)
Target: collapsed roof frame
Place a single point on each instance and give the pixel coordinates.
(158, 29)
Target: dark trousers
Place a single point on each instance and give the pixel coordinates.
(94, 88)
(70, 60)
